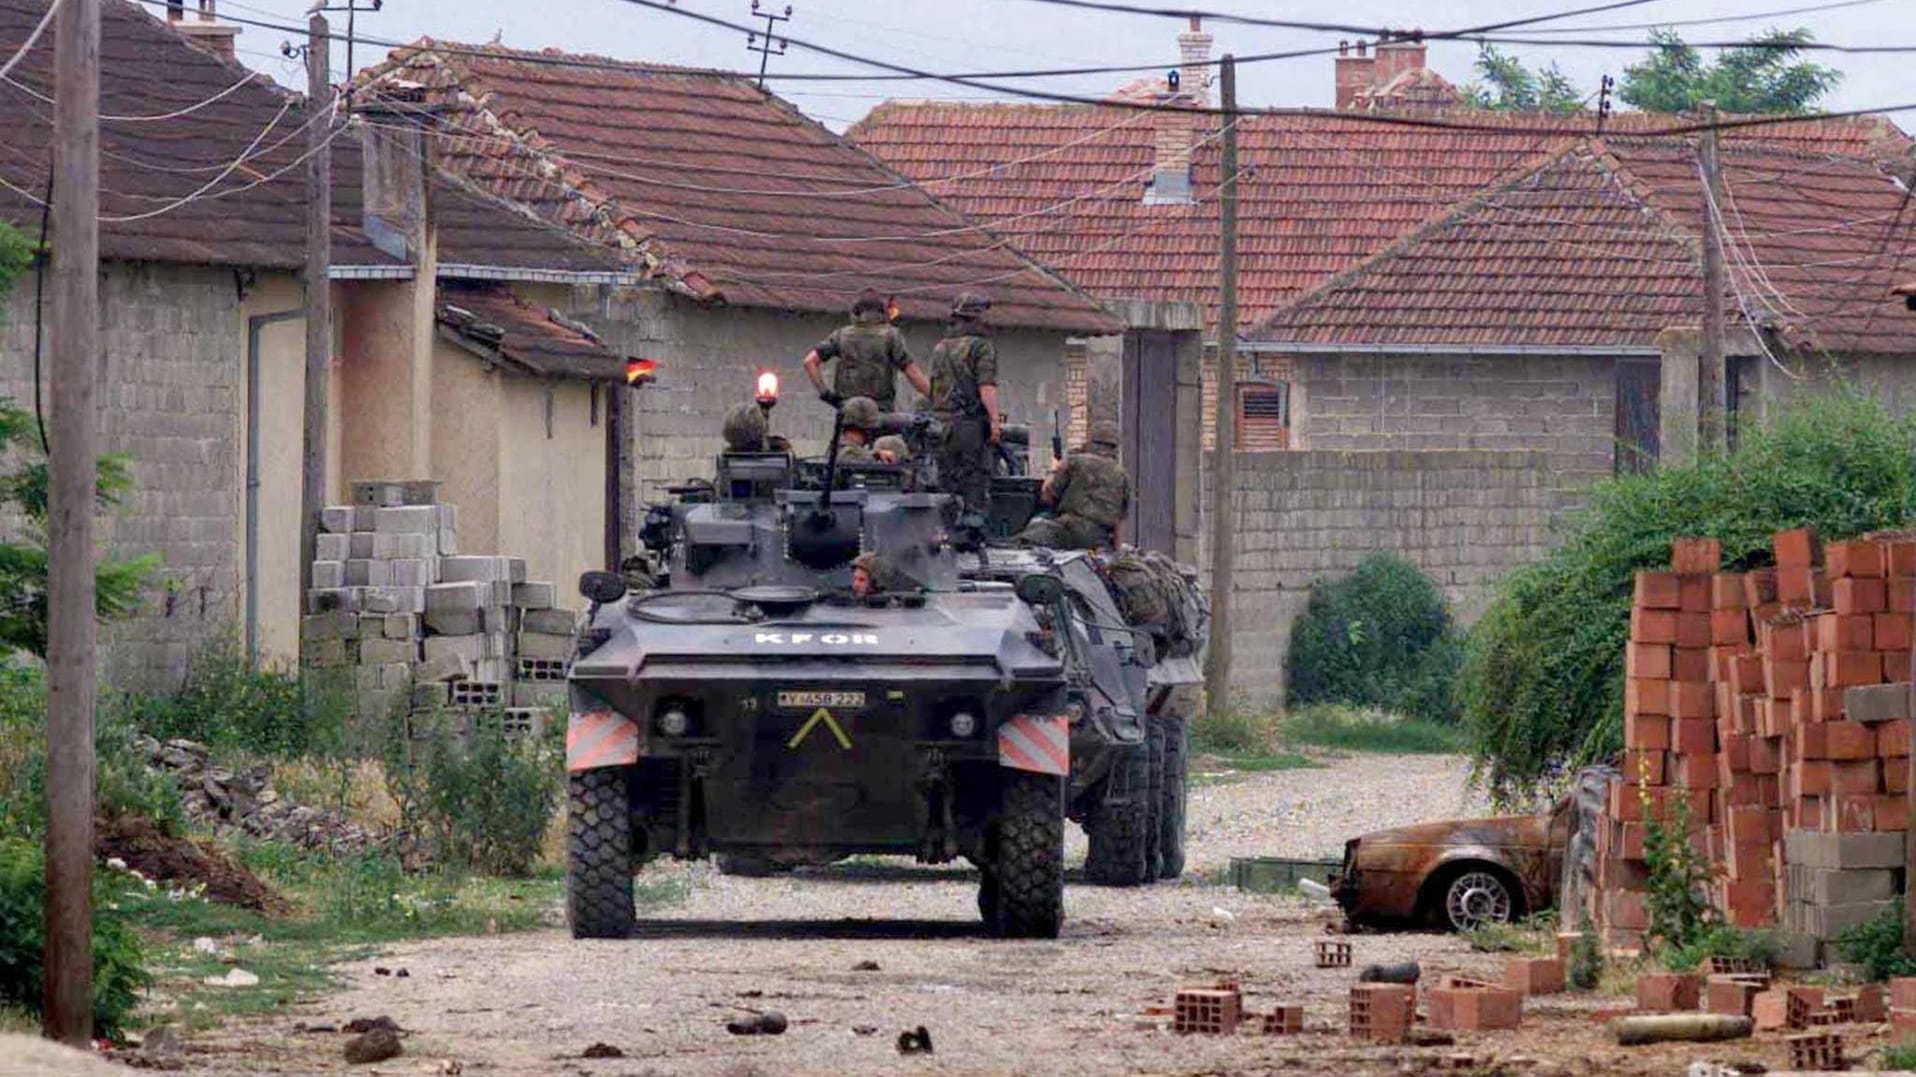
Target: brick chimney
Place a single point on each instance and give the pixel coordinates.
(1194, 63)
(206, 32)
(1394, 58)
(1353, 73)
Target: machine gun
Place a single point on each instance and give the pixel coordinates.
(1057, 437)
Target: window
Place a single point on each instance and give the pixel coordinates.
(1264, 417)
(592, 406)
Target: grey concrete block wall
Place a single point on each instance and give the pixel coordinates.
(1466, 517)
(1563, 405)
(173, 343)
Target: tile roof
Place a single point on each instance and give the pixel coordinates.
(1601, 247)
(492, 321)
(723, 191)
(254, 216)
(1319, 191)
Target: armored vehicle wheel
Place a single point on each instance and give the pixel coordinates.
(598, 862)
(1171, 799)
(1118, 827)
(1154, 799)
(1022, 892)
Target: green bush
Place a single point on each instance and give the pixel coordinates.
(1723, 940)
(1330, 725)
(119, 972)
(227, 702)
(1381, 637)
(1877, 945)
(1542, 681)
(483, 800)
(1585, 971)
(123, 784)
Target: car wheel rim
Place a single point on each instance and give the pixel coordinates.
(1477, 898)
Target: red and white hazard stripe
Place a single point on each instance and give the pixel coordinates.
(600, 739)
(1036, 742)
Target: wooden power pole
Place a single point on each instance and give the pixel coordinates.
(1713, 413)
(1217, 672)
(74, 431)
(319, 304)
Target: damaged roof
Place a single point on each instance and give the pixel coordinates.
(497, 325)
(716, 188)
(1319, 191)
(1601, 246)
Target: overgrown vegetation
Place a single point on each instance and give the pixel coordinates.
(1507, 85)
(1723, 940)
(1381, 637)
(1585, 969)
(1898, 1056)
(1767, 75)
(1680, 913)
(1535, 934)
(231, 704)
(1227, 730)
(1877, 945)
(1360, 730)
(482, 800)
(1542, 681)
(119, 971)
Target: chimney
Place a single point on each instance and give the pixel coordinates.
(1171, 168)
(1353, 73)
(395, 153)
(1194, 63)
(207, 32)
(1396, 57)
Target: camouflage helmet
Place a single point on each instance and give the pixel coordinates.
(745, 428)
(868, 302)
(893, 444)
(861, 413)
(970, 305)
(1104, 432)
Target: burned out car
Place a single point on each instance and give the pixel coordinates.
(1463, 873)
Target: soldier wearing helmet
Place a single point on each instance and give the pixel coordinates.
(859, 425)
(870, 352)
(891, 449)
(964, 396)
(745, 428)
(1089, 492)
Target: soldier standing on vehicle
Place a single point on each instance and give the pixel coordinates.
(1090, 492)
(964, 396)
(869, 353)
(858, 421)
(745, 428)
(891, 449)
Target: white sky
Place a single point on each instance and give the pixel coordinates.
(975, 35)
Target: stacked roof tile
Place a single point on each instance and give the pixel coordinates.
(1319, 191)
(490, 320)
(718, 188)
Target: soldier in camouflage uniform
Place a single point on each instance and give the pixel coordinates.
(859, 424)
(745, 428)
(964, 396)
(1090, 494)
(869, 353)
(892, 449)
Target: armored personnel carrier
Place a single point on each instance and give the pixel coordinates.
(963, 699)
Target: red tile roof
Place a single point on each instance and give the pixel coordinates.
(1320, 191)
(492, 321)
(1601, 247)
(722, 190)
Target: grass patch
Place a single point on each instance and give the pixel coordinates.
(1260, 764)
(346, 909)
(1357, 730)
(1226, 731)
(1535, 935)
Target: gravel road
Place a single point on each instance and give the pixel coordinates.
(853, 955)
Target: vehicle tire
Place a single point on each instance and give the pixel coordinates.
(1119, 827)
(1171, 799)
(598, 862)
(1025, 886)
(1475, 894)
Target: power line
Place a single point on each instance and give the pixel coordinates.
(1112, 7)
(1753, 16)
(32, 39)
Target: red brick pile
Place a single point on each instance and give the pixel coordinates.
(1734, 704)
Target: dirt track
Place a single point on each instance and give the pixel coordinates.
(530, 1004)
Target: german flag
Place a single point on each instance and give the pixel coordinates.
(638, 370)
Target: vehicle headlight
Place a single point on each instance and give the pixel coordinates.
(963, 724)
(673, 722)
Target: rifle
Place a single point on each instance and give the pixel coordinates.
(1057, 437)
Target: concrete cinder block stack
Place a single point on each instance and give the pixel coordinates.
(1759, 700)
(393, 598)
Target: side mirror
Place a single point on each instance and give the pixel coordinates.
(602, 587)
(1039, 589)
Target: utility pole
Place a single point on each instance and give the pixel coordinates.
(766, 45)
(1217, 672)
(1712, 406)
(319, 302)
(71, 478)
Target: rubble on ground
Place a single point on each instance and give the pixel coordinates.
(226, 800)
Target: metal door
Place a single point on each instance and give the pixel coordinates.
(1148, 418)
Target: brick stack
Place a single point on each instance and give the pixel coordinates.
(417, 622)
(1738, 702)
